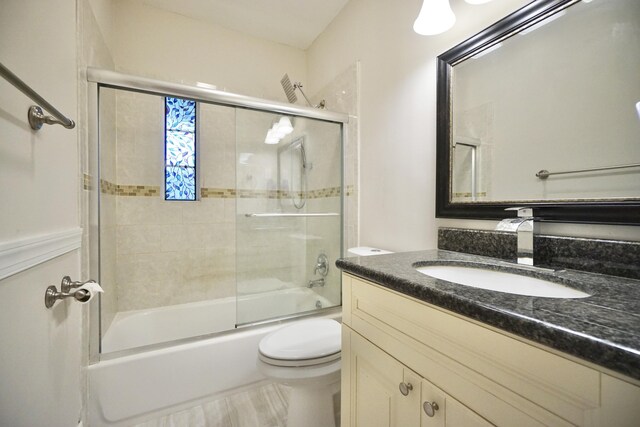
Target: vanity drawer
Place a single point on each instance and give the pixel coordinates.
(443, 347)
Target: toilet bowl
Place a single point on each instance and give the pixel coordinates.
(305, 355)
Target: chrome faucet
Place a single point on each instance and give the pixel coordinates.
(526, 231)
(317, 282)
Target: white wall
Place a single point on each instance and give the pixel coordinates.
(103, 14)
(151, 42)
(398, 115)
(40, 349)
(398, 109)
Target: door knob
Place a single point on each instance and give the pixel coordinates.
(405, 388)
(430, 408)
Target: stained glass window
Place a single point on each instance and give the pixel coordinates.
(180, 149)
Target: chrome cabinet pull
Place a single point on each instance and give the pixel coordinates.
(405, 388)
(430, 408)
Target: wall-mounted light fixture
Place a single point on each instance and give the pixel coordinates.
(435, 17)
(279, 130)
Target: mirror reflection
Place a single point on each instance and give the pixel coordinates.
(561, 96)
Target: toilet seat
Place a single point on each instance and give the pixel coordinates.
(303, 343)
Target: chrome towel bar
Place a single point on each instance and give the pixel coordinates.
(544, 174)
(35, 114)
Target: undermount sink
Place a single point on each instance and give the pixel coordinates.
(500, 281)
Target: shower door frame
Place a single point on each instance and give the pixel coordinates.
(99, 78)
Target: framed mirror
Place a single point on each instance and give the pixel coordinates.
(542, 109)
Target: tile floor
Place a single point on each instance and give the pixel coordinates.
(263, 406)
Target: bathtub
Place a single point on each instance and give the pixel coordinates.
(132, 388)
(138, 328)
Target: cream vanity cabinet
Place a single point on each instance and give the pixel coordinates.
(407, 363)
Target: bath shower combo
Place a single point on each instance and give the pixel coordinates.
(198, 284)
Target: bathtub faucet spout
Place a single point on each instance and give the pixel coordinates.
(317, 282)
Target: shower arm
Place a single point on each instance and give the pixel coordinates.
(298, 86)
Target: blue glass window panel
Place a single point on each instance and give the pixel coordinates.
(180, 183)
(180, 148)
(180, 114)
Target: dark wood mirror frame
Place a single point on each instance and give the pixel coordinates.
(605, 212)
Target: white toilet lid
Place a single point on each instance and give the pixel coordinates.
(303, 340)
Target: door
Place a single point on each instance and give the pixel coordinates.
(288, 215)
(40, 348)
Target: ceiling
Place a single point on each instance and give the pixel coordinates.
(295, 23)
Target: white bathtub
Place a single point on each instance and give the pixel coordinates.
(165, 324)
(132, 388)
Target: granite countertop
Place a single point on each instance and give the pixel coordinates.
(603, 329)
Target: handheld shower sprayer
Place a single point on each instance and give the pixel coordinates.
(290, 91)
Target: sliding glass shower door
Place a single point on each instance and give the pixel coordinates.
(209, 215)
(288, 215)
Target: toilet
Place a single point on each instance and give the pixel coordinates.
(305, 355)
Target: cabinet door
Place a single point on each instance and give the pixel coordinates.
(441, 410)
(375, 386)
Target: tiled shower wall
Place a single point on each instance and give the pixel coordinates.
(172, 252)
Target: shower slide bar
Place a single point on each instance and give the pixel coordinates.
(35, 115)
(289, 215)
(544, 174)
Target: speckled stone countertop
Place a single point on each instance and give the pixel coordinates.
(603, 329)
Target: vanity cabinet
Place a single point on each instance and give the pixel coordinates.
(461, 372)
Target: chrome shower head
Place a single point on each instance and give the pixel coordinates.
(289, 90)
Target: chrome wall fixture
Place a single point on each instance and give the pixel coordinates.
(67, 287)
(35, 114)
(322, 268)
(290, 91)
(322, 265)
(544, 174)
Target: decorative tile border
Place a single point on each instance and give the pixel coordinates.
(324, 192)
(87, 181)
(138, 190)
(107, 187)
(218, 193)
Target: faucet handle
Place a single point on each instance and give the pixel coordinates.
(523, 212)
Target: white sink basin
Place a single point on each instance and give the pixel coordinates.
(500, 281)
